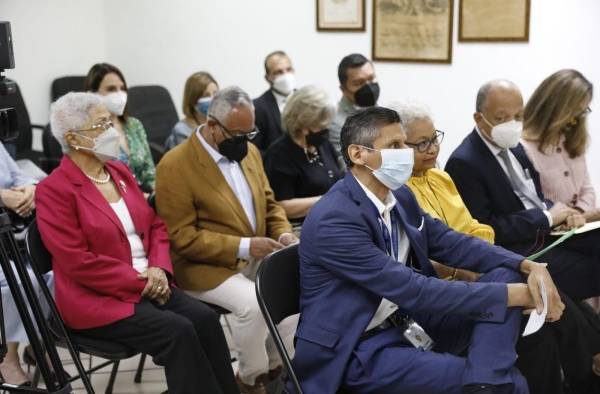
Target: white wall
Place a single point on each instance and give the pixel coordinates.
(52, 39)
(156, 41)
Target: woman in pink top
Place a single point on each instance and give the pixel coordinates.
(555, 137)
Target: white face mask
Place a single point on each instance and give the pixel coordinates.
(106, 145)
(285, 83)
(396, 167)
(115, 102)
(506, 135)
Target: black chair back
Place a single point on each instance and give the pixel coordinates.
(64, 85)
(39, 255)
(278, 293)
(153, 106)
(52, 150)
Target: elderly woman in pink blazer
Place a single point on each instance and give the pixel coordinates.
(110, 255)
(555, 138)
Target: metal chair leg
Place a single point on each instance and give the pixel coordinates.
(140, 369)
(113, 376)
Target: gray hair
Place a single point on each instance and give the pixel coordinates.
(364, 127)
(306, 108)
(226, 100)
(484, 91)
(410, 111)
(71, 112)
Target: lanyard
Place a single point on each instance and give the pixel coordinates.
(391, 243)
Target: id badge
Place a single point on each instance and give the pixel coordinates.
(417, 336)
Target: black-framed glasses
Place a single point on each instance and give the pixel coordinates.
(249, 136)
(101, 124)
(424, 146)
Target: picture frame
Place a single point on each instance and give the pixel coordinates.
(413, 31)
(341, 15)
(494, 20)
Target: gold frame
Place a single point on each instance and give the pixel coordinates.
(362, 27)
(523, 38)
(446, 60)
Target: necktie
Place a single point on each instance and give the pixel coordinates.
(517, 183)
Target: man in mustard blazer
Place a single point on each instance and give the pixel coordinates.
(222, 219)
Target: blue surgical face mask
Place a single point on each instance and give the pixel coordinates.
(396, 167)
(202, 105)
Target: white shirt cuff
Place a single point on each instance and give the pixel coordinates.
(549, 217)
(244, 249)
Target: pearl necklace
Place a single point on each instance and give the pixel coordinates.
(99, 181)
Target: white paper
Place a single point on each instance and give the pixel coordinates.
(536, 320)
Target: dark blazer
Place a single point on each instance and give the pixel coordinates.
(345, 271)
(487, 192)
(268, 120)
(96, 283)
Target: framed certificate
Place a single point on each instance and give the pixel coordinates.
(341, 15)
(413, 30)
(494, 20)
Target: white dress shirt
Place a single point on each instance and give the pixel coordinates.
(387, 307)
(523, 174)
(236, 179)
(138, 254)
(280, 99)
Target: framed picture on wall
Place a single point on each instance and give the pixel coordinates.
(493, 20)
(413, 30)
(341, 15)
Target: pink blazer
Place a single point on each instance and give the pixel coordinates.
(563, 179)
(95, 282)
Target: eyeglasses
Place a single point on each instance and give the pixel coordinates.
(248, 136)
(101, 124)
(424, 146)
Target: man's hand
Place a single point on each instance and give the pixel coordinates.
(157, 285)
(262, 246)
(287, 239)
(27, 203)
(560, 212)
(538, 272)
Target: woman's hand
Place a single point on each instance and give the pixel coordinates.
(157, 286)
(27, 203)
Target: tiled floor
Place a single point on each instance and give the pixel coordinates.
(153, 378)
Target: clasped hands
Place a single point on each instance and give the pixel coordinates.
(566, 218)
(19, 199)
(528, 295)
(157, 285)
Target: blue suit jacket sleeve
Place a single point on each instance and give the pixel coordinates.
(345, 247)
(511, 227)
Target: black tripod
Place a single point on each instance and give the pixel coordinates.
(28, 304)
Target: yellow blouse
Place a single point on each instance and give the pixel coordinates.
(437, 195)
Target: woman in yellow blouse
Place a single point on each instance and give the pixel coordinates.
(434, 189)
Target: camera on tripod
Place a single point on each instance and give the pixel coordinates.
(9, 127)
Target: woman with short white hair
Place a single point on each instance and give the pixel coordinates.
(301, 165)
(110, 256)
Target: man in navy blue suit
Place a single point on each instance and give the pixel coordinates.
(374, 316)
(501, 187)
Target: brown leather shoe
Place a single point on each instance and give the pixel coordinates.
(259, 387)
(274, 373)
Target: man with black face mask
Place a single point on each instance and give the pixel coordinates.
(360, 89)
(222, 218)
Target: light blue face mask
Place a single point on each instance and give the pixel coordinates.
(396, 167)
(202, 105)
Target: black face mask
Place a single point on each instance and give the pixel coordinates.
(317, 138)
(368, 95)
(235, 148)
